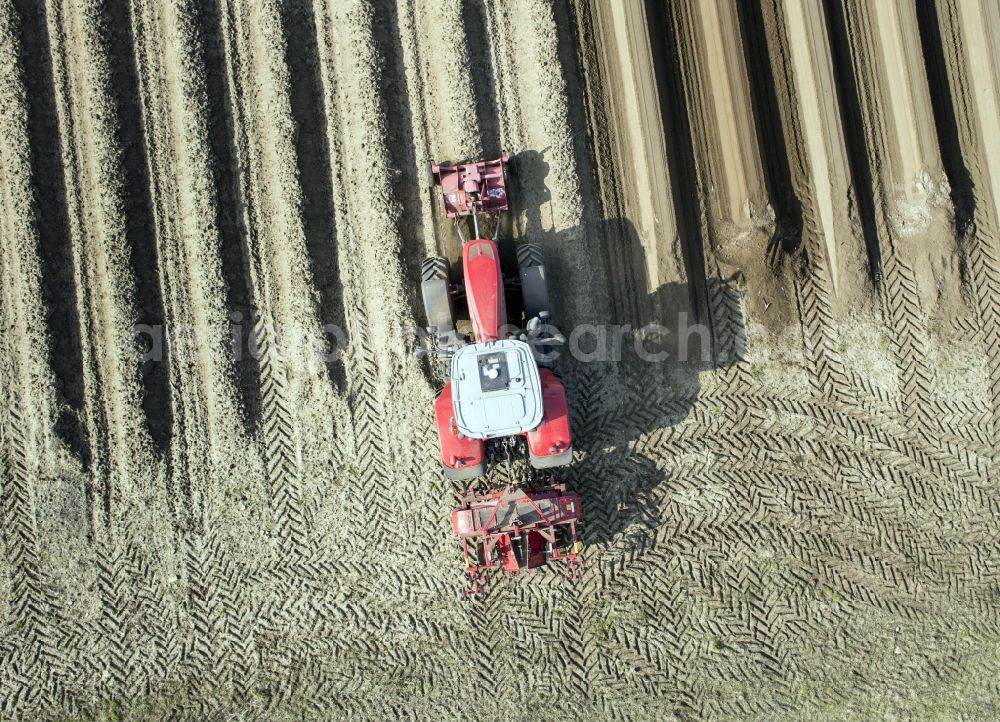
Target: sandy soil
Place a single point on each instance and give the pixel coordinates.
(803, 524)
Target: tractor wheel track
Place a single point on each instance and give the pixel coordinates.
(371, 449)
(965, 46)
(17, 314)
(189, 255)
(34, 604)
(99, 279)
(829, 378)
(275, 251)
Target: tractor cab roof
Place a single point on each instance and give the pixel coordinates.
(496, 389)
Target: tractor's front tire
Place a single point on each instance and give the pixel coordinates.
(435, 288)
(534, 287)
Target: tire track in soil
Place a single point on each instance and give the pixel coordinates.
(674, 76)
(231, 206)
(954, 32)
(183, 321)
(887, 167)
(387, 399)
(904, 546)
(608, 476)
(984, 258)
(34, 631)
(275, 249)
(966, 427)
(58, 291)
(116, 662)
(750, 533)
(34, 604)
(959, 440)
(108, 216)
(927, 481)
(205, 648)
(917, 374)
(666, 660)
(829, 379)
(221, 605)
(366, 449)
(848, 424)
(905, 317)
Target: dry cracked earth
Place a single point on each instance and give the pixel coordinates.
(803, 521)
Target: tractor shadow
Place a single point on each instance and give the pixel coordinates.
(645, 383)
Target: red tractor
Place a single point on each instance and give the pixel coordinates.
(502, 406)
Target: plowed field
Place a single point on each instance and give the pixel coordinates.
(220, 495)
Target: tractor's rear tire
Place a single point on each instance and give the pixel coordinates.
(534, 287)
(464, 473)
(435, 288)
(551, 462)
(434, 268)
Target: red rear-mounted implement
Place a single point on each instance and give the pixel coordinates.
(502, 404)
(517, 530)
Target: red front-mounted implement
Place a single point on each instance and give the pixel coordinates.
(503, 403)
(480, 186)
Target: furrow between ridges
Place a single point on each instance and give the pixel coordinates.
(285, 334)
